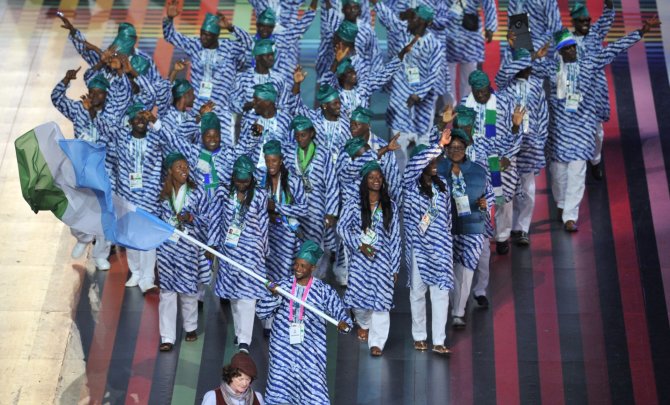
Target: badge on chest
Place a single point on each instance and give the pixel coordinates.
(462, 205)
(296, 333)
(135, 181)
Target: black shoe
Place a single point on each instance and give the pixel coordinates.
(224, 302)
(235, 341)
(458, 322)
(515, 234)
(243, 348)
(523, 240)
(502, 248)
(201, 305)
(597, 171)
(267, 332)
(482, 301)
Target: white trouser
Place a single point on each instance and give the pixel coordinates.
(567, 186)
(100, 249)
(439, 305)
(524, 202)
(377, 322)
(244, 312)
(600, 134)
(142, 263)
(462, 284)
(482, 273)
(167, 314)
(503, 220)
(464, 70)
(404, 140)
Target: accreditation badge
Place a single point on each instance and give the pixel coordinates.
(135, 181)
(462, 206)
(427, 219)
(296, 333)
(369, 237)
(413, 75)
(205, 90)
(572, 102)
(233, 236)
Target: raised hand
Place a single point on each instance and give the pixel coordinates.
(172, 9)
(71, 75)
(542, 52)
(448, 114)
(445, 138)
(653, 22)
(412, 100)
(511, 38)
(299, 75)
(86, 102)
(207, 107)
(341, 51)
(66, 23)
(180, 65)
(393, 143)
(224, 22)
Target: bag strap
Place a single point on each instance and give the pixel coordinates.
(219, 397)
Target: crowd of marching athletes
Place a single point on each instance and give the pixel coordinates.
(236, 159)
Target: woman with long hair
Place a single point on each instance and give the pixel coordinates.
(185, 206)
(428, 243)
(239, 230)
(370, 231)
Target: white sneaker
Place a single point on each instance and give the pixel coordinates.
(78, 250)
(102, 264)
(133, 281)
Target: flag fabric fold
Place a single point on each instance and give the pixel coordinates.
(68, 178)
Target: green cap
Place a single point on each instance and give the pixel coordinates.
(466, 116)
(267, 17)
(211, 24)
(345, 2)
(263, 47)
(209, 121)
(180, 87)
(362, 115)
(344, 65)
(243, 168)
(265, 91)
(353, 145)
(424, 12)
(301, 123)
(140, 64)
(418, 149)
(132, 111)
(272, 147)
(478, 80)
(171, 158)
(521, 54)
(310, 252)
(98, 82)
(579, 10)
(326, 94)
(347, 31)
(460, 133)
(125, 39)
(563, 38)
(369, 166)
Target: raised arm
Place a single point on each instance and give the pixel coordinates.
(69, 108)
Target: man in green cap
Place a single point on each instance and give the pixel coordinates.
(298, 333)
(590, 41)
(332, 127)
(87, 116)
(214, 61)
(286, 32)
(262, 73)
(266, 121)
(414, 88)
(572, 101)
(355, 91)
(344, 30)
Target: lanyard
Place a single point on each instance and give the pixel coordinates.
(262, 78)
(522, 93)
(304, 298)
(177, 202)
(458, 184)
(573, 77)
(332, 128)
(436, 195)
(138, 148)
(238, 211)
(376, 216)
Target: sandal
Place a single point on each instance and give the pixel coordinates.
(165, 347)
(362, 334)
(441, 349)
(375, 351)
(191, 336)
(421, 345)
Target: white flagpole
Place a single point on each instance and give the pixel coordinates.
(278, 289)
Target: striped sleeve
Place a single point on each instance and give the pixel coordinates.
(608, 53)
(90, 56)
(69, 108)
(190, 46)
(490, 15)
(347, 226)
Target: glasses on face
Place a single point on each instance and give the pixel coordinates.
(456, 149)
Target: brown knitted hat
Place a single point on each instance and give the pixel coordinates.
(244, 363)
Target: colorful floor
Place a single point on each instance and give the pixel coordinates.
(577, 318)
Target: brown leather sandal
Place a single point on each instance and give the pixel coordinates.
(362, 334)
(165, 347)
(191, 336)
(375, 351)
(421, 345)
(441, 349)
